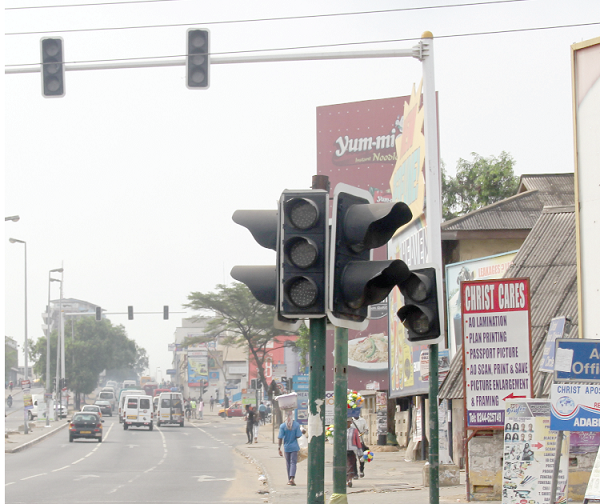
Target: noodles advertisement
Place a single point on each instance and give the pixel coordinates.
(357, 145)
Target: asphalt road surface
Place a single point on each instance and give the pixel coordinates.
(171, 464)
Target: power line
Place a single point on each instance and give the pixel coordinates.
(86, 5)
(346, 44)
(256, 20)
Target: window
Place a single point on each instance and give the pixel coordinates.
(165, 403)
(132, 402)
(145, 403)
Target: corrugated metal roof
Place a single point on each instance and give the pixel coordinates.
(517, 212)
(555, 189)
(548, 258)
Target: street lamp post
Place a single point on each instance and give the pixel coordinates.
(14, 240)
(48, 388)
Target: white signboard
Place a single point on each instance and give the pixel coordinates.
(496, 348)
(529, 454)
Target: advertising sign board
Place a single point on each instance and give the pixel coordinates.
(496, 346)
(577, 360)
(529, 453)
(556, 330)
(575, 407)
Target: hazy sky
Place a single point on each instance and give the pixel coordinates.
(129, 181)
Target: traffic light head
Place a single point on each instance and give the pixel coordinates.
(262, 280)
(130, 312)
(53, 67)
(356, 282)
(420, 313)
(197, 61)
(98, 313)
(165, 313)
(304, 229)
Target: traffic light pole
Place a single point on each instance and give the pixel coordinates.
(316, 419)
(434, 457)
(340, 411)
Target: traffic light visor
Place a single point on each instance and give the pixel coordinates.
(303, 213)
(420, 320)
(302, 292)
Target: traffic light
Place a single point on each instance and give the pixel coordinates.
(54, 383)
(262, 280)
(253, 383)
(304, 229)
(165, 313)
(53, 67)
(197, 61)
(358, 226)
(420, 313)
(98, 313)
(130, 312)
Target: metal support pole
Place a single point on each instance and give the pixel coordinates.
(48, 387)
(316, 418)
(340, 410)
(62, 344)
(434, 458)
(556, 468)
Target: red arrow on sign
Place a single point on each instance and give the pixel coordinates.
(512, 396)
(538, 445)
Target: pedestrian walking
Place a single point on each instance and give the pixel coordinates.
(200, 407)
(262, 411)
(193, 406)
(289, 432)
(250, 416)
(361, 424)
(353, 451)
(212, 403)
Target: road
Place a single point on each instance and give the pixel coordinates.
(196, 463)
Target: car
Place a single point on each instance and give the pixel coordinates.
(235, 410)
(93, 408)
(104, 407)
(85, 424)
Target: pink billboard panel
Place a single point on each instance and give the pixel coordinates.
(356, 145)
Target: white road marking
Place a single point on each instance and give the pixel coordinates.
(205, 477)
(77, 461)
(84, 476)
(11, 483)
(56, 470)
(34, 476)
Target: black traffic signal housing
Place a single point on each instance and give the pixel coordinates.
(262, 280)
(165, 313)
(54, 383)
(130, 312)
(356, 282)
(420, 314)
(53, 67)
(198, 59)
(253, 384)
(98, 313)
(304, 235)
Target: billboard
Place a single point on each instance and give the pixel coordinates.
(476, 269)
(356, 145)
(496, 348)
(585, 58)
(575, 407)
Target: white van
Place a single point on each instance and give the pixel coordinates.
(109, 396)
(129, 384)
(124, 394)
(170, 409)
(138, 412)
(39, 407)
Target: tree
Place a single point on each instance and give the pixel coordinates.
(10, 357)
(240, 316)
(92, 347)
(478, 183)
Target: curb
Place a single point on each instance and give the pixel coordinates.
(34, 441)
(260, 466)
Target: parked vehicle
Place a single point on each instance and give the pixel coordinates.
(85, 425)
(105, 407)
(124, 393)
(138, 412)
(170, 409)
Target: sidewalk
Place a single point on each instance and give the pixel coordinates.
(15, 441)
(388, 478)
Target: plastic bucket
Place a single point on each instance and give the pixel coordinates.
(288, 401)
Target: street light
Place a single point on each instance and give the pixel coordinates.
(13, 218)
(14, 240)
(48, 389)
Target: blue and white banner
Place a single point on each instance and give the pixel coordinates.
(575, 407)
